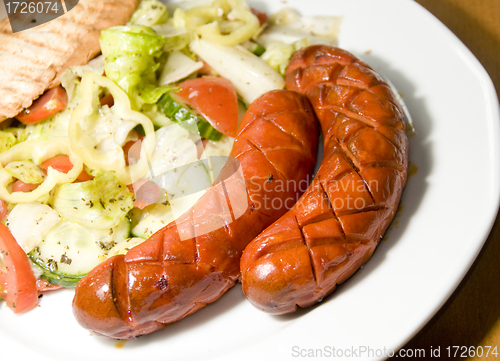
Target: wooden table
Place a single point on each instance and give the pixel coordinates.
(471, 317)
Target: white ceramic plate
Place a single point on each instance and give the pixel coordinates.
(447, 210)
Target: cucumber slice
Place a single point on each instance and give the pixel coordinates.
(29, 222)
(147, 221)
(185, 180)
(186, 116)
(254, 48)
(69, 251)
(125, 246)
(184, 185)
(154, 217)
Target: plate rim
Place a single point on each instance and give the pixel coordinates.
(494, 118)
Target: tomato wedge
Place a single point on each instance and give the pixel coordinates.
(19, 282)
(3, 210)
(107, 100)
(206, 70)
(3, 285)
(51, 102)
(20, 186)
(132, 151)
(45, 286)
(262, 16)
(146, 193)
(215, 99)
(62, 163)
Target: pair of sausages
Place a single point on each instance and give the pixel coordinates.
(194, 260)
(330, 232)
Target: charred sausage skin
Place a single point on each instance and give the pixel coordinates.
(336, 225)
(183, 267)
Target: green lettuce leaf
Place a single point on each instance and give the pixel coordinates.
(131, 58)
(100, 203)
(7, 140)
(26, 171)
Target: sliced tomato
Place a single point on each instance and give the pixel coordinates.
(44, 286)
(200, 147)
(262, 16)
(20, 186)
(146, 193)
(107, 100)
(206, 70)
(83, 177)
(215, 99)
(60, 163)
(19, 281)
(3, 284)
(3, 210)
(63, 164)
(132, 151)
(51, 102)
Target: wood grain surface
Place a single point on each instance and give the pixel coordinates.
(471, 317)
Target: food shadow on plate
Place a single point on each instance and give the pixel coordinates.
(226, 302)
(420, 166)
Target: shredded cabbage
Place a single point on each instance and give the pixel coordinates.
(97, 134)
(26, 171)
(174, 148)
(149, 13)
(324, 26)
(57, 125)
(53, 127)
(175, 38)
(129, 54)
(7, 140)
(226, 22)
(187, 4)
(278, 55)
(131, 58)
(287, 26)
(70, 78)
(30, 222)
(100, 203)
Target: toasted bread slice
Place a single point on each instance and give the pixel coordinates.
(33, 60)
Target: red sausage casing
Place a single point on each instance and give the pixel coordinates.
(336, 225)
(193, 261)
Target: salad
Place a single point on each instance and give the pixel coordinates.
(79, 175)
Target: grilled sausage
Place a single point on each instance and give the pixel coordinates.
(336, 225)
(194, 260)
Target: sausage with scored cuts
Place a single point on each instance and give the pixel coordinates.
(194, 260)
(336, 225)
